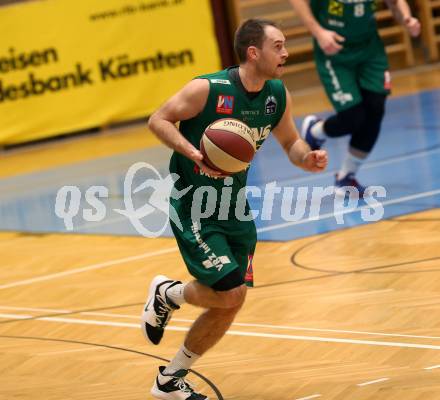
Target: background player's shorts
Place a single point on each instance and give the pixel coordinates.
(356, 66)
(212, 249)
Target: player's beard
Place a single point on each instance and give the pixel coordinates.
(269, 72)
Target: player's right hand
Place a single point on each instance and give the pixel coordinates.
(330, 41)
(197, 157)
(213, 173)
(412, 25)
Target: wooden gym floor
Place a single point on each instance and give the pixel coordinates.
(347, 315)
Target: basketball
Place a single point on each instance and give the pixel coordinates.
(228, 146)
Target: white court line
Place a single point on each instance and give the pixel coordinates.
(51, 310)
(292, 328)
(15, 316)
(368, 165)
(335, 340)
(433, 367)
(235, 333)
(50, 353)
(88, 268)
(372, 382)
(343, 212)
(313, 396)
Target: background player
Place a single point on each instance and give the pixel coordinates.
(353, 67)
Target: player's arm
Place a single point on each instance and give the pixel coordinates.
(185, 104)
(297, 150)
(329, 41)
(402, 14)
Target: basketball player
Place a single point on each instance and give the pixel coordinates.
(353, 67)
(217, 252)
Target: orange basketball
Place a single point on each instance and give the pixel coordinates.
(228, 146)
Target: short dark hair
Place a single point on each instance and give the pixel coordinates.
(250, 33)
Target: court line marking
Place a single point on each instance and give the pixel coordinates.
(87, 268)
(433, 367)
(372, 382)
(231, 332)
(34, 309)
(251, 325)
(344, 212)
(49, 353)
(369, 165)
(313, 396)
(15, 316)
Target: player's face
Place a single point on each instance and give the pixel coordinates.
(273, 54)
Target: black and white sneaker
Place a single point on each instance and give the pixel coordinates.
(174, 387)
(158, 309)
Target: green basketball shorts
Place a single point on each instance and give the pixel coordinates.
(211, 249)
(356, 66)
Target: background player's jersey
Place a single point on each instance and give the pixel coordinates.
(353, 19)
(226, 100)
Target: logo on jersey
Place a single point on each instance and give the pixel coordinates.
(225, 104)
(336, 8)
(270, 106)
(221, 81)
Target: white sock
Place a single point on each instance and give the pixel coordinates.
(350, 165)
(184, 359)
(317, 131)
(175, 293)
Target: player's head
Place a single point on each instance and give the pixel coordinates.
(262, 43)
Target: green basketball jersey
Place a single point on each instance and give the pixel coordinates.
(353, 19)
(225, 100)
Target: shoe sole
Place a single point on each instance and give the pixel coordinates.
(151, 294)
(339, 192)
(158, 394)
(306, 124)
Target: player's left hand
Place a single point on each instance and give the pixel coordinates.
(412, 25)
(315, 161)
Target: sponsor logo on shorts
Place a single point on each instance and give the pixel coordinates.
(387, 80)
(342, 98)
(212, 260)
(249, 277)
(338, 96)
(216, 262)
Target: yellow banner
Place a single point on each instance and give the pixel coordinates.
(67, 65)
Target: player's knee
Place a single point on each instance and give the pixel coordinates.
(233, 299)
(366, 138)
(231, 289)
(374, 105)
(354, 117)
(347, 121)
